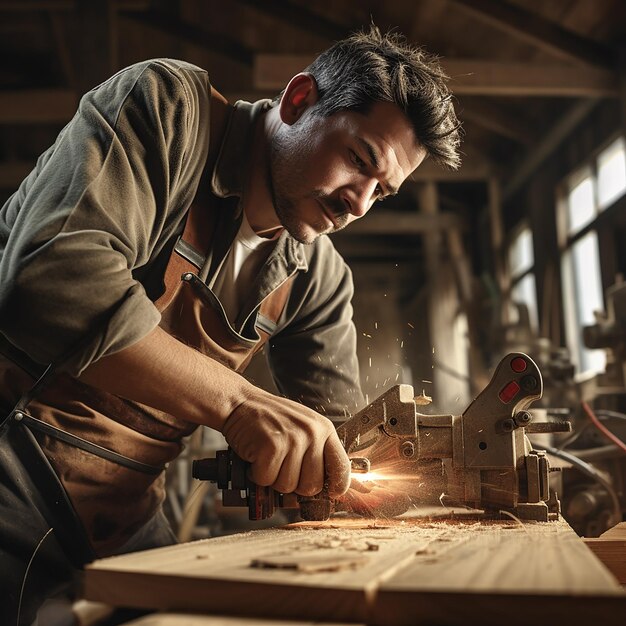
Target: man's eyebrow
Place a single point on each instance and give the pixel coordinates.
(374, 162)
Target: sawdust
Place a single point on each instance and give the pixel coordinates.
(422, 399)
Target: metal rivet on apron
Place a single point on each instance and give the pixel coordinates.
(18, 417)
(188, 276)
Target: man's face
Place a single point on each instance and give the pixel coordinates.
(326, 172)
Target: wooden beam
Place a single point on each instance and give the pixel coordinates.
(37, 106)
(373, 571)
(495, 78)
(473, 168)
(384, 222)
(499, 121)
(472, 77)
(552, 140)
(37, 5)
(300, 17)
(213, 41)
(540, 32)
(185, 619)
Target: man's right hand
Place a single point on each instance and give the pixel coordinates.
(290, 447)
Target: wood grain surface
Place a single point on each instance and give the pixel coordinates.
(377, 572)
(610, 548)
(182, 619)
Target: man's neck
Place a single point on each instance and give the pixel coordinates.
(257, 197)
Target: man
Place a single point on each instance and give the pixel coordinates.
(162, 239)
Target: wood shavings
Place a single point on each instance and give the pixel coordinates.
(422, 399)
(311, 563)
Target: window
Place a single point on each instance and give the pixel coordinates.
(612, 173)
(588, 192)
(521, 270)
(582, 290)
(581, 208)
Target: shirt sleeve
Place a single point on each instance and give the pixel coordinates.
(313, 358)
(95, 208)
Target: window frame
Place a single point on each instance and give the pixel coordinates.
(567, 240)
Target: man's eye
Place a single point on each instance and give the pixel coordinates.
(356, 159)
(379, 194)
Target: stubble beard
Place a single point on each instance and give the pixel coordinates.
(287, 163)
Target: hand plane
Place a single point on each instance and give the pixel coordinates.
(481, 459)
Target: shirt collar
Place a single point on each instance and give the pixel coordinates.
(227, 178)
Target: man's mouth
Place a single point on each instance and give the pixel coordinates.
(333, 218)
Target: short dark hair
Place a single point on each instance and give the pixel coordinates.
(369, 67)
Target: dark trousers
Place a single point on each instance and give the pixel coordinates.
(43, 546)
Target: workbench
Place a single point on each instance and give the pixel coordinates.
(454, 570)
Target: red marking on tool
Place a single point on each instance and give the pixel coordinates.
(518, 364)
(509, 392)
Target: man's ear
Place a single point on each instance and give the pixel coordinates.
(299, 95)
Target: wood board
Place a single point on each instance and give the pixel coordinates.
(378, 572)
(185, 619)
(610, 548)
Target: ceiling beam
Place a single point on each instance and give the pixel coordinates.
(217, 42)
(539, 31)
(386, 222)
(473, 77)
(473, 168)
(498, 120)
(37, 5)
(37, 106)
(552, 140)
(300, 17)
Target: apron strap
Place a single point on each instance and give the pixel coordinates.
(189, 253)
(78, 442)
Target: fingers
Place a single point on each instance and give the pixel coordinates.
(312, 473)
(295, 472)
(337, 466)
(266, 467)
(290, 447)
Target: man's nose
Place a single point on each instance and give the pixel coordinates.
(359, 199)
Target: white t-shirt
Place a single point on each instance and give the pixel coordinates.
(240, 267)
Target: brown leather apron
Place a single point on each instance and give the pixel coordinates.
(109, 453)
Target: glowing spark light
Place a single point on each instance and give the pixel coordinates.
(368, 476)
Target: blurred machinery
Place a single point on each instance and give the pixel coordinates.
(592, 485)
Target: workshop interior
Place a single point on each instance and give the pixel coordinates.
(490, 302)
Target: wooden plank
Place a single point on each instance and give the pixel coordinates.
(183, 619)
(37, 5)
(473, 77)
(384, 222)
(494, 78)
(610, 548)
(532, 569)
(37, 106)
(540, 32)
(300, 17)
(402, 560)
(218, 42)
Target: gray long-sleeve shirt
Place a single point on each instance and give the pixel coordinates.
(83, 240)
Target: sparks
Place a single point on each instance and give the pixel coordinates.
(368, 476)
